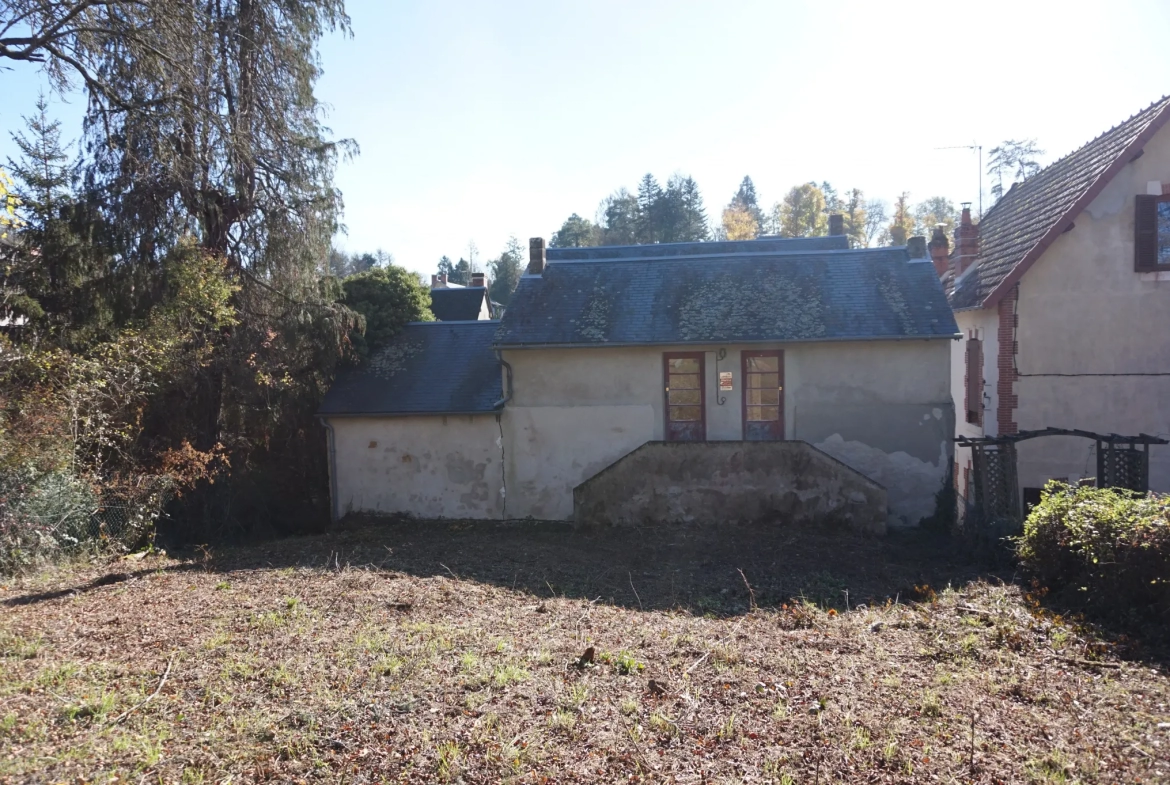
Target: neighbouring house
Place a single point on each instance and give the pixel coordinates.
(451, 302)
(1062, 295)
(416, 428)
(610, 355)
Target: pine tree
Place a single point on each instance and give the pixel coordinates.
(745, 199)
(461, 273)
(649, 229)
(44, 175)
(446, 267)
(68, 236)
(681, 216)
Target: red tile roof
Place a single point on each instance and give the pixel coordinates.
(1029, 217)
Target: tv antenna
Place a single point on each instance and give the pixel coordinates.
(979, 149)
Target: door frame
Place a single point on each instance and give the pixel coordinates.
(744, 355)
(666, 358)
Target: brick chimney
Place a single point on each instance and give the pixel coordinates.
(477, 279)
(434, 282)
(916, 247)
(536, 256)
(940, 251)
(836, 224)
(966, 241)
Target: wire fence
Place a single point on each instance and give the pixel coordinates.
(55, 515)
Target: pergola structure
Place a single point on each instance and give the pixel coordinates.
(1122, 462)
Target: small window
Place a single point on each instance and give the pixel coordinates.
(975, 381)
(1151, 233)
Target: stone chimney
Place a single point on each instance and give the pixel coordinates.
(836, 224)
(477, 279)
(536, 256)
(940, 251)
(916, 247)
(966, 241)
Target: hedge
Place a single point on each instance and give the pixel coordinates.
(1106, 549)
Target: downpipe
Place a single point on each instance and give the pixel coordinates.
(331, 439)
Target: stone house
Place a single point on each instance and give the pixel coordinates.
(1062, 294)
(605, 350)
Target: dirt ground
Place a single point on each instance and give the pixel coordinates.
(470, 652)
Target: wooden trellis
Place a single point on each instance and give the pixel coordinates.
(1122, 462)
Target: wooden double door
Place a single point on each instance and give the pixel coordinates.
(761, 388)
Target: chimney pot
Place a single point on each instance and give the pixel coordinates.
(836, 224)
(536, 259)
(966, 241)
(477, 279)
(916, 247)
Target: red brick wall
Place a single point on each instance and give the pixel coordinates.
(1006, 362)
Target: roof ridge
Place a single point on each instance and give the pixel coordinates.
(1025, 221)
(439, 323)
(723, 255)
(1164, 99)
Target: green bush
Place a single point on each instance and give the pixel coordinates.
(1108, 549)
(387, 298)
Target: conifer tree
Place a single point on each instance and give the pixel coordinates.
(650, 205)
(43, 172)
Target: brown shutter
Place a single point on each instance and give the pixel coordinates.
(1145, 233)
(975, 381)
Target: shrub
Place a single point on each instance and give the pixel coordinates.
(1108, 548)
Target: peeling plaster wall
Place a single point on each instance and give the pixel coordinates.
(882, 407)
(1083, 310)
(431, 467)
(884, 410)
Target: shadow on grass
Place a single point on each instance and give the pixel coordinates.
(700, 569)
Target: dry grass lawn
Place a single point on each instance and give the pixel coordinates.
(414, 652)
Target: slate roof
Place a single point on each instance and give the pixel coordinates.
(663, 250)
(461, 304)
(429, 368)
(1025, 221)
(737, 296)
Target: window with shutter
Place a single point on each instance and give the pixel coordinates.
(1151, 233)
(975, 381)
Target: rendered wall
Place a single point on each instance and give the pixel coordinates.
(883, 408)
(785, 482)
(1088, 328)
(979, 324)
(430, 467)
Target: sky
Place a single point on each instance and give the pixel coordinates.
(482, 120)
